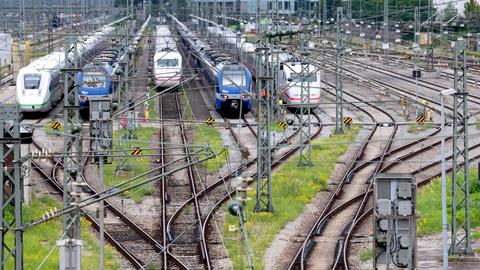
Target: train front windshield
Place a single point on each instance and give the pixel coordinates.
(297, 77)
(234, 76)
(32, 81)
(167, 62)
(94, 80)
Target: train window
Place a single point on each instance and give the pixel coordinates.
(31, 81)
(167, 62)
(94, 80)
(234, 76)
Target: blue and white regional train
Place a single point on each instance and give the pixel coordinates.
(289, 75)
(96, 79)
(232, 80)
(38, 84)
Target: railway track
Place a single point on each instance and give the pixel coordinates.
(133, 242)
(395, 89)
(360, 201)
(388, 87)
(475, 99)
(187, 243)
(356, 175)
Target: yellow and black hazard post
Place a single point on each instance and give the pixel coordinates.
(56, 125)
(420, 119)
(347, 121)
(136, 151)
(210, 121)
(282, 125)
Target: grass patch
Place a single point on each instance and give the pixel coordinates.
(414, 128)
(275, 128)
(203, 135)
(39, 240)
(292, 189)
(477, 125)
(429, 205)
(139, 164)
(209, 135)
(366, 255)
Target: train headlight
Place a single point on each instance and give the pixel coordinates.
(243, 96)
(224, 96)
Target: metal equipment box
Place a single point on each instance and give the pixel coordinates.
(394, 221)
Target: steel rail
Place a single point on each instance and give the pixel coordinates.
(193, 188)
(130, 255)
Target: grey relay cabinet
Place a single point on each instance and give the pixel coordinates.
(101, 128)
(394, 221)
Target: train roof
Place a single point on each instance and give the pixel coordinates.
(163, 54)
(56, 60)
(106, 69)
(206, 50)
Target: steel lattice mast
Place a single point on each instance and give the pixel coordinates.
(385, 32)
(10, 174)
(72, 156)
(461, 235)
(339, 72)
(264, 117)
(305, 153)
(124, 93)
(416, 37)
(430, 38)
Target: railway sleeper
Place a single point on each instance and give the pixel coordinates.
(350, 177)
(321, 227)
(308, 248)
(338, 249)
(346, 229)
(338, 194)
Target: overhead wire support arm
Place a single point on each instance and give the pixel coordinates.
(201, 155)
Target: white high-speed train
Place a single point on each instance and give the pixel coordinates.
(290, 79)
(38, 84)
(167, 61)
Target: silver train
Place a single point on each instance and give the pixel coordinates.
(167, 61)
(38, 84)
